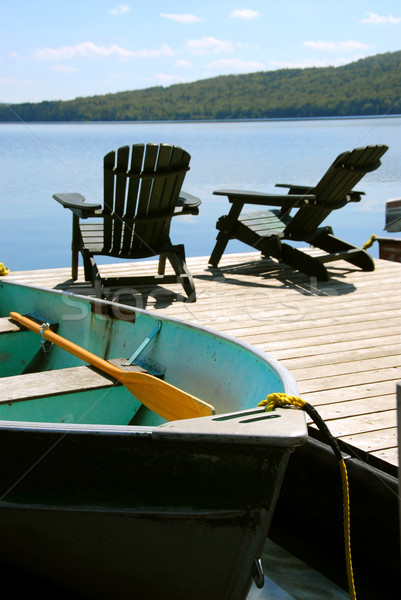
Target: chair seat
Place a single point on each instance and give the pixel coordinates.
(264, 222)
(93, 237)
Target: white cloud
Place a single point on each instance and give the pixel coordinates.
(209, 45)
(380, 20)
(5, 80)
(183, 63)
(349, 45)
(181, 18)
(120, 10)
(163, 50)
(90, 50)
(85, 49)
(244, 13)
(236, 64)
(63, 69)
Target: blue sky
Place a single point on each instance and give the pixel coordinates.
(54, 49)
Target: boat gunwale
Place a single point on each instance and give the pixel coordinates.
(187, 431)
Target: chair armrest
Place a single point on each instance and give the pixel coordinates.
(262, 199)
(296, 189)
(188, 204)
(76, 203)
(353, 196)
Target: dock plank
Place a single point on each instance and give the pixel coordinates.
(356, 425)
(373, 441)
(340, 339)
(361, 406)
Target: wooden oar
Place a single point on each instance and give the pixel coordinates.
(169, 402)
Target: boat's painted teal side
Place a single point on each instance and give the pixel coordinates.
(100, 494)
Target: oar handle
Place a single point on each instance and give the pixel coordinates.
(65, 344)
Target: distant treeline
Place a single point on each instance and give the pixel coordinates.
(371, 86)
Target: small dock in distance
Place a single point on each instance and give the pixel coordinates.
(340, 339)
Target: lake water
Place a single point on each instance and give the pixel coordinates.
(38, 160)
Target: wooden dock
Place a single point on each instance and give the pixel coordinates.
(340, 339)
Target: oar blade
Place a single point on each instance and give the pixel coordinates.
(165, 399)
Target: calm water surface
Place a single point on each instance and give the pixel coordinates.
(38, 160)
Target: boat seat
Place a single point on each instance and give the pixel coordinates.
(7, 325)
(29, 386)
(71, 395)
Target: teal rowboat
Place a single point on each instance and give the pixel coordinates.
(103, 496)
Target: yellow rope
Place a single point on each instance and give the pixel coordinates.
(3, 269)
(347, 536)
(370, 242)
(281, 399)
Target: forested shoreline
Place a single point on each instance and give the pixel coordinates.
(370, 86)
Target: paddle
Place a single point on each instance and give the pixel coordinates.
(166, 400)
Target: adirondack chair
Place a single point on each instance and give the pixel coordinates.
(141, 194)
(266, 230)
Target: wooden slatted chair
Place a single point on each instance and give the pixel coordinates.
(301, 213)
(141, 194)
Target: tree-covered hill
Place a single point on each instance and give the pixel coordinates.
(371, 86)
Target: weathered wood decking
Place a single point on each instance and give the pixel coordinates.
(340, 339)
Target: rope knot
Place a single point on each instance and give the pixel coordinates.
(3, 269)
(281, 399)
(370, 242)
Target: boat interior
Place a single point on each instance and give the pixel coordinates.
(41, 382)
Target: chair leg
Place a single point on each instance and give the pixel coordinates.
(75, 247)
(218, 251)
(358, 257)
(177, 261)
(92, 272)
(303, 262)
(162, 264)
(225, 224)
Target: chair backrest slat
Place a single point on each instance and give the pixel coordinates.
(171, 167)
(159, 197)
(120, 187)
(178, 165)
(140, 240)
(335, 185)
(134, 175)
(108, 199)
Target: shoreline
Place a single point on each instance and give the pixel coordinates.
(200, 121)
